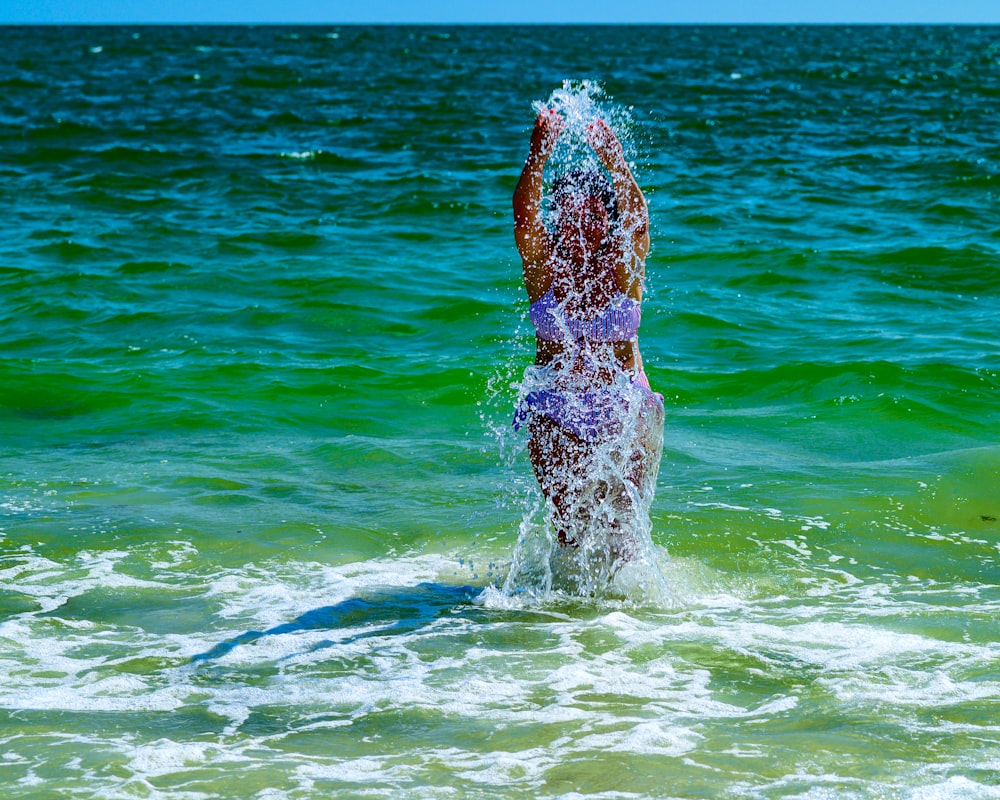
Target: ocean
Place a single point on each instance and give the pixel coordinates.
(262, 330)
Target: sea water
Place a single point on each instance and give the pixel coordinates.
(263, 331)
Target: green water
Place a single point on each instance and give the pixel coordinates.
(262, 327)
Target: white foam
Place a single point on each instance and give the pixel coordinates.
(645, 738)
(957, 787)
(917, 688)
(163, 757)
(725, 506)
(52, 584)
(272, 595)
(501, 768)
(587, 677)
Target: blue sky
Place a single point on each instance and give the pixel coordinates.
(499, 11)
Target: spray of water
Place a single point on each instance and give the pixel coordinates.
(580, 103)
(595, 541)
(598, 544)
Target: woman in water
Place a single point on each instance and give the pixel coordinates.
(594, 425)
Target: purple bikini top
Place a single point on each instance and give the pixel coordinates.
(618, 322)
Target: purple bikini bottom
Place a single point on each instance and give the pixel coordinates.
(591, 414)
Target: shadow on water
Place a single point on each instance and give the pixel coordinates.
(403, 609)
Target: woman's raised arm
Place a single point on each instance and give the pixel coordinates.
(631, 205)
(533, 242)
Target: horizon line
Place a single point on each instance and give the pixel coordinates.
(426, 23)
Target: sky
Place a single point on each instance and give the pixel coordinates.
(498, 11)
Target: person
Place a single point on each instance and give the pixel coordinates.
(587, 399)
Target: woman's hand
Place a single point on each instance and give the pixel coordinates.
(548, 126)
(605, 144)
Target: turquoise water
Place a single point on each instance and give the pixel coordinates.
(262, 327)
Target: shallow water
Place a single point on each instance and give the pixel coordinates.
(263, 326)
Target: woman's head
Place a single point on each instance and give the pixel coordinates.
(583, 205)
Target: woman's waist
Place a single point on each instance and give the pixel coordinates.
(581, 375)
(599, 360)
(621, 349)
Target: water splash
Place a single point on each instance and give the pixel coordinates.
(598, 544)
(580, 103)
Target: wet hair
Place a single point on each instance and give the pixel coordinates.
(587, 183)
